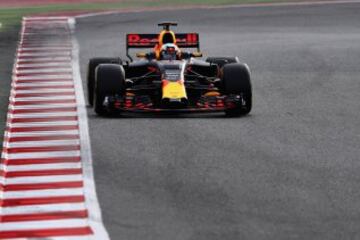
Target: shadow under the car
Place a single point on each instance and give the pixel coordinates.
(169, 115)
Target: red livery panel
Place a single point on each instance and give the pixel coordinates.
(184, 40)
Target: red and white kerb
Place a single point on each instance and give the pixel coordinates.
(46, 182)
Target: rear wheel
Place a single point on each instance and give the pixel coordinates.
(93, 63)
(236, 81)
(109, 80)
(222, 61)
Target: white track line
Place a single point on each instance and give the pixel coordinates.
(44, 59)
(41, 89)
(46, 54)
(35, 124)
(49, 64)
(35, 115)
(28, 225)
(44, 77)
(43, 208)
(34, 167)
(44, 106)
(42, 84)
(43, 179)
(89, 183)
(45, 70)
(44, 48)
(43, 143)
(44, 155)
(60, 114)
(41, 133)
(43, 193)
(26, 101)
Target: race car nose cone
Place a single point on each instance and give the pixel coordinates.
(174, 94)
(174, 102)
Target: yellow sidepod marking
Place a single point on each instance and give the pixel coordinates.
(174, 90)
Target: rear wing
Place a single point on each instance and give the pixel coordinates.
(183, 40)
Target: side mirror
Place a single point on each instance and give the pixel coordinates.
(141, 55)
(197, 54)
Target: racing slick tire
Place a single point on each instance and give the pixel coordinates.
(93, 63)
(221, 61)
(236, 81)
(109, 80)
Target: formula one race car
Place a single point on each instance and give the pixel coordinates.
(168, 79)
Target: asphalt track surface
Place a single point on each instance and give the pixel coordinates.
(290, 170)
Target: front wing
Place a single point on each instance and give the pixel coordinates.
(144, 104)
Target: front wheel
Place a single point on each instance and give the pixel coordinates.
(92, 65)
(109, 81)
(236, 82)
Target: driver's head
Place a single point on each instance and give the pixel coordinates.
(169, 51)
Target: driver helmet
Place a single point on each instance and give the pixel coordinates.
(169, 51)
